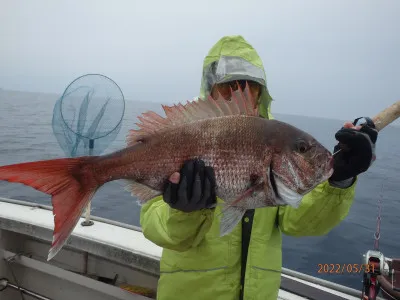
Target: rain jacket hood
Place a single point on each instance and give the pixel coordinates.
(233, 58)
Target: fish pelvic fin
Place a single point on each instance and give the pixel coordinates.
(141, 191)
(66, 181)
(231, 216)
(241, 103)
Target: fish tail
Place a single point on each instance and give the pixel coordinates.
(67, 180)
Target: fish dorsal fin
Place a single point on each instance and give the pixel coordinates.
(241, 103)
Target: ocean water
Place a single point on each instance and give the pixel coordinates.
(26, 135)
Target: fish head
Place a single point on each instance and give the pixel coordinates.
(299, 163)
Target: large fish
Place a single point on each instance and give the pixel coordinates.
(257, 162)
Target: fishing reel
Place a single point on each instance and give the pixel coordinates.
(375, 265)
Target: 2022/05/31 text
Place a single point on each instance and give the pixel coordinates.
(345, 268)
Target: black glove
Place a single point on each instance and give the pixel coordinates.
(195, 190)
(357, 150)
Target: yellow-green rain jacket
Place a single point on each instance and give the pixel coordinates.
(197, 263)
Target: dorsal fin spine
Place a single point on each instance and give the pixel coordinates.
(241, 103)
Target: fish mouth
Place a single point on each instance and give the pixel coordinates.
(329, 168)
(331, 162)
(331, 165)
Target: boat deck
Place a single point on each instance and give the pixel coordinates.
(94, 254)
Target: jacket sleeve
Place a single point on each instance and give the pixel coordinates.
(320, 211)
(173, 229)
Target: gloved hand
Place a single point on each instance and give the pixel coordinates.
(357, 144)
(194, 190)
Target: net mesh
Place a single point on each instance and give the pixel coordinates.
(88, 116)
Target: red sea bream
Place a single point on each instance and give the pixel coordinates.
(257, 162)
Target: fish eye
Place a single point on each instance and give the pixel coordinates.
(302, 146)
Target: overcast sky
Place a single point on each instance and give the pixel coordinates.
(335, 59)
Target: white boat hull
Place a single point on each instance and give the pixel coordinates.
(99, 259)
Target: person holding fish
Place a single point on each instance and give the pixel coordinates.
(197, 263)
(219, 181)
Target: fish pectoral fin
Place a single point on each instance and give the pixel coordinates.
(231, 216)
(259, 186)
(141, 191)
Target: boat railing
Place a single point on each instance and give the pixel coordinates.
(285, 271)
(92, 217)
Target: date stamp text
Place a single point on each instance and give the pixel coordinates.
(345, 268)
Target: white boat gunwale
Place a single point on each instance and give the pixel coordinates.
(87, 242)
(139, 253)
